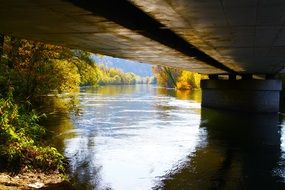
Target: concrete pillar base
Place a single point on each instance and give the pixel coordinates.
(242, 95)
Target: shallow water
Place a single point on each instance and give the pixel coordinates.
(143, 137)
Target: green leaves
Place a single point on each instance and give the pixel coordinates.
(19, 130)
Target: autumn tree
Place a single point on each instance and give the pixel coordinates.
(166, 76)
(176, 78)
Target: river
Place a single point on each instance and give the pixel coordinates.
(143, 137)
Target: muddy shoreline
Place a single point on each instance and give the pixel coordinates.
(34, 180)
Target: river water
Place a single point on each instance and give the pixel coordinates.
(143, 137)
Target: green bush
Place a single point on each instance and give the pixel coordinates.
(19, 133)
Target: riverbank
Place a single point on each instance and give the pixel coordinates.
(34, 180)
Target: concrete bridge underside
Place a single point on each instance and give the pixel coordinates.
(212, 36)
(209, 37)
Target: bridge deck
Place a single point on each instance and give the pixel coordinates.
(203, 36)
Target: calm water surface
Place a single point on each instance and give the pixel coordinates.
(142, 137)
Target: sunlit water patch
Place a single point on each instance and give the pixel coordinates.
(130, 141)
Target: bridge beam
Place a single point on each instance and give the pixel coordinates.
(242, 95)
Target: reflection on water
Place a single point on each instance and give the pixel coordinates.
(128, 136)
(181, 94)
(242, 152)
(142, 137)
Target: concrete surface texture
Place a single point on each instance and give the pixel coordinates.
(209, 36)
(242, 95)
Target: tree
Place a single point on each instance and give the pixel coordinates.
(175, 78)
(34, 68)
(166, 76)
(90, 73)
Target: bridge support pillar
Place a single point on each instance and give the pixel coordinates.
(242, 95)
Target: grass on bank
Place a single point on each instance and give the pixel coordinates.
(21, 141)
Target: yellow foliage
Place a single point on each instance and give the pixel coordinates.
(180, 79)
(188, 80)
(183, 85)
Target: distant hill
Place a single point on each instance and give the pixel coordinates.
(138, 68)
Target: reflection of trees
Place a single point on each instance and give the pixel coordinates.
(181, 94)
(166, 91)
(178, 94)
(113, 90)
(85, 176)
(58, 121)
(189, 95)
(58, 126)
(85, 173)
(242, 151)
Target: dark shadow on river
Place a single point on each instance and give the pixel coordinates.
(242, 152)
